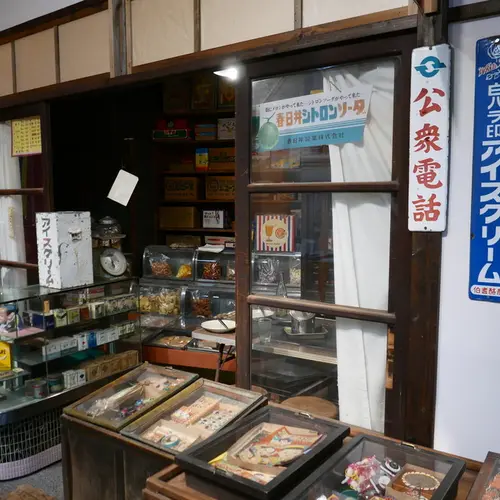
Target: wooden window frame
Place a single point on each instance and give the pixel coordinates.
(403, 397)
(40, 109)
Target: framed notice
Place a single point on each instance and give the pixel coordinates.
(26, 136)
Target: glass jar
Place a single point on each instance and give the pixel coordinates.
(106, 228)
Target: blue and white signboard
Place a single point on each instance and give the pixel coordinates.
(484, 279)
(314, 119)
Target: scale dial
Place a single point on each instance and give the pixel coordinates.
(113, 262)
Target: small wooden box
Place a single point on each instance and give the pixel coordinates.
(220, 187)
(221, 159)
(181, 188)
(178, 217)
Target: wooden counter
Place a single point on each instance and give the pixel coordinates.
(102, 464)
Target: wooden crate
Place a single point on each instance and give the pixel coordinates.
(220, 187)
(178, 217)
(181, 188)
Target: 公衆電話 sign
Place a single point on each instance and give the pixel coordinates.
(484, 275)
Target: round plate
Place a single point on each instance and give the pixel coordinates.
(216, 326)
(113, 262)
(263, 312)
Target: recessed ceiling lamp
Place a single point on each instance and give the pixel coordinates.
(230, 73)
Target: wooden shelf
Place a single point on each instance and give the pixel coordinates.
(191, 142)
(208, 172)
(197, 202)
(190, 359)
(199, 112)
(196, 230)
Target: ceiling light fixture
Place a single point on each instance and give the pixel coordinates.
(230, 73)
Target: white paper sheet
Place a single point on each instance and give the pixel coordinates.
(123, 187)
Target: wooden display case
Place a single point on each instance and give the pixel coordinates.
(374, 466)
(108, 407)
(487, 482)
(198, 458)
(243, 401)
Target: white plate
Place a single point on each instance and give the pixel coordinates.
(263, 312)
(215, 326)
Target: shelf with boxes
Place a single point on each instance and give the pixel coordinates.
(194, 155)
(56, 340)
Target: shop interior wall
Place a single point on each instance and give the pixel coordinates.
(14, 12)
(160, 29)
(467, 405)
(89, 149)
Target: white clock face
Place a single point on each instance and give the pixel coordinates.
(113, 262)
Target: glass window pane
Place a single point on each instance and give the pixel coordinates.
(17, 213)
(331, 124)
(339, 360)
(321, 246)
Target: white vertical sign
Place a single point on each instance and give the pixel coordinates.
(429, 138)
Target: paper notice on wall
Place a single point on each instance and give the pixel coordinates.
(26, 136)
(123, 187)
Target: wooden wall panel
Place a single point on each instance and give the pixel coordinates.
(224, 22)
(84, 47)
(6, 78)
(36, 60)
(161, 29)
(325, 11)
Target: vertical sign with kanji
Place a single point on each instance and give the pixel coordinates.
(484, 275)
(429, 138)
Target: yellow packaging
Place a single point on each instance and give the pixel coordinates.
(5, 357)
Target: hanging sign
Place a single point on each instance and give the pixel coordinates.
(314, 119)
(26, 136)
(484, 275)
(429, 138)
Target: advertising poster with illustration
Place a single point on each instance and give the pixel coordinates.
(275, 233)
(314, 119)
(484, 277)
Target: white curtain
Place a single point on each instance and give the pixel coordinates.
(12, 245)
(361, 234)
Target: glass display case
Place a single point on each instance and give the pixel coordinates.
(200, 410)
(269, 269)
(372, 467)
(218, 267)
(168, 263)
(266, 454)
(53, 341)
(118, 403)
(173, 307)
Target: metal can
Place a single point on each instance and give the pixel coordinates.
(40, 390)
(55, 383)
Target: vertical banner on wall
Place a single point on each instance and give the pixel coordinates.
(484, 276)
(429, 138)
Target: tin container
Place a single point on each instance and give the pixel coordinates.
(55, 382)
(40, 389)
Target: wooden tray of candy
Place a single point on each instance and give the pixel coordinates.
(117, 404)
(192, 415)
(370, 466)
(196, 460)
